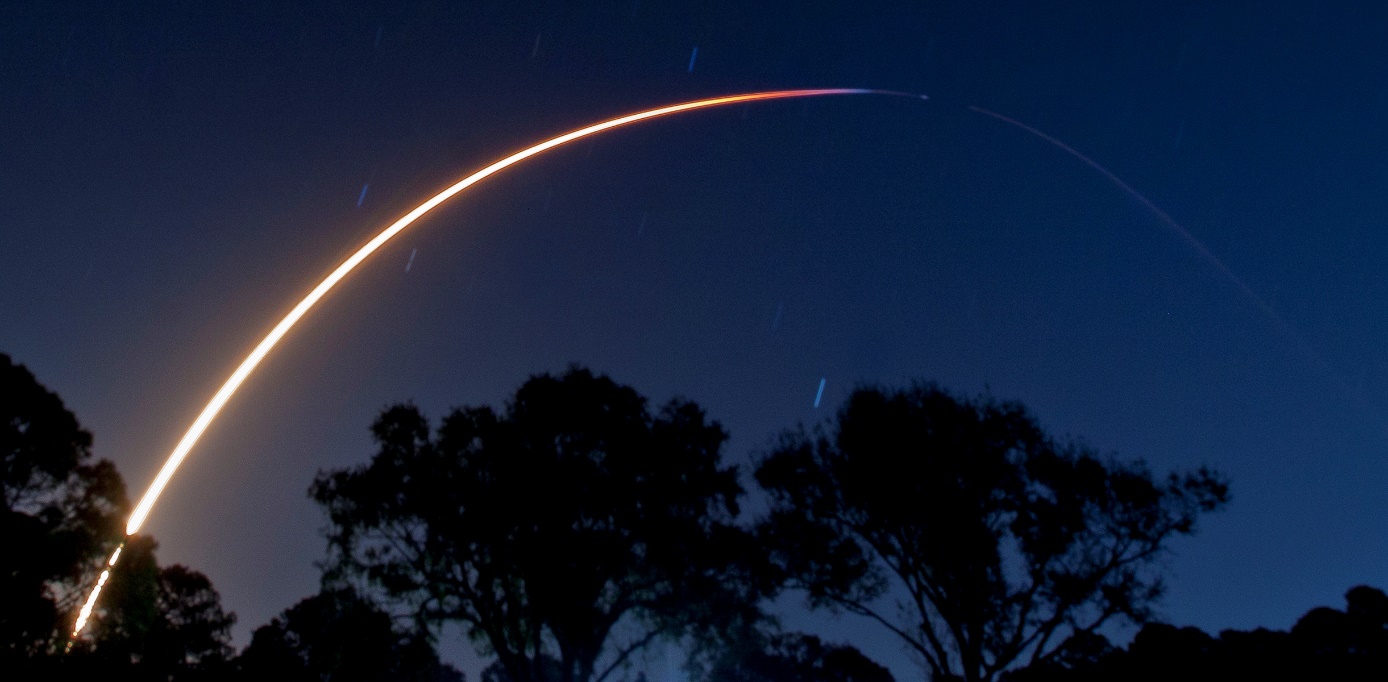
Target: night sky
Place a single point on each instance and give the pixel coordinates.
(173, 177)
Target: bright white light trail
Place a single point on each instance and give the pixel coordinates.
(249, 364)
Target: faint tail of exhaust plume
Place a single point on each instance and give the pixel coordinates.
(1205, 254)
(137, 518)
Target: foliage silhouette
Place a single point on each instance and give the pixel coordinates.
(1011, 547)
(338, 636)
(62, 508)
(551, 667)
(574, 525)
(64, 514)
(157, 623)
(792, 657)
(1325, 644)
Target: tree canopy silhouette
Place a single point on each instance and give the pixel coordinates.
(1325, 644)
(157, 623)
(792, 657)
(62, 508)
(574, 524)
(338, 636)
(64, 513)
(1008, 544)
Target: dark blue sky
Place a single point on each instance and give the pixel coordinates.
(176, 175)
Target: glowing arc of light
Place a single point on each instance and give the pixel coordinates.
(249, 364)
(180, 452)
(86, 611)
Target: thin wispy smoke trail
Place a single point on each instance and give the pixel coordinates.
(1161, 215)
(1205, 254)
(214, 406)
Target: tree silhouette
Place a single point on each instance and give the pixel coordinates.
(61, 508)
(157, 623)
(552, 669)
(1355, 639)
(337, 636)
(1325, 644)
(573, 525)
(1011, 547)
(792, 657)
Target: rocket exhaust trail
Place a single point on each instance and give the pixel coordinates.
(1205, 254)
(249, 364)
(1161, 215)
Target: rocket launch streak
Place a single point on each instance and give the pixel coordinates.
(249, 364)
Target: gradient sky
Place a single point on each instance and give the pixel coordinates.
(174, 176)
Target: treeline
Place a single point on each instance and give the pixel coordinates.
(1324, 644)
(576, 526)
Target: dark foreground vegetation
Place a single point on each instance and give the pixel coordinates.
(574, 528)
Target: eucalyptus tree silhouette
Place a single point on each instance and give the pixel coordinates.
(338, 636)
(572, 525)
(1009, 546)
